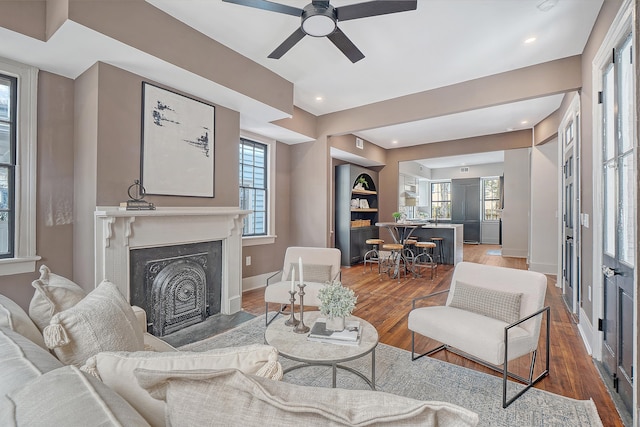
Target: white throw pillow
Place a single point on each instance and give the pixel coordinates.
(230, 397)
(67, 397)
(102, 321)
(12, 316)
(52, 294)
(116, 369)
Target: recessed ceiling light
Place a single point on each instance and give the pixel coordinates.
(319, 98)
(395, 141)
(524, 122)
(530, 40)
(547, 5)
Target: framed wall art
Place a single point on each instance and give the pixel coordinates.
(177, 144)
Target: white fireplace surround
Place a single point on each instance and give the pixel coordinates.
(118, 231)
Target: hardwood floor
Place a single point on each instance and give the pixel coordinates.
(386, 303)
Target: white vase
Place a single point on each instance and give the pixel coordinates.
(335, 323)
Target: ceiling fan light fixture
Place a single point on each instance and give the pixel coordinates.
(319, 22)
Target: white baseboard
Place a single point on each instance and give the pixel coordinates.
(543, 268)
(514, 253)
(255, 282)
(586, 331)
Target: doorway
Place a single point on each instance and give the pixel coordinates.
(616, 255)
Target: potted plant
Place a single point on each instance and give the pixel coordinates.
(361, 183)
(336, 303)
(396, 216)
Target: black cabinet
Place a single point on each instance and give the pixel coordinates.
(465, 207)
(356, 211)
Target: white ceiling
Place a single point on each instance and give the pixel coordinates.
(464, 160)
(441, 43)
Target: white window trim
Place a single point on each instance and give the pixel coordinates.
(270, 237)
(25, 257)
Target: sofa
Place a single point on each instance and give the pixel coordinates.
(78, 359)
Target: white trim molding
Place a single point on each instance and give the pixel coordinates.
(24, 260)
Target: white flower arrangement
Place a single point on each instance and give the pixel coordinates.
(336, 300)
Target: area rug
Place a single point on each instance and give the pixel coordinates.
(429, 379)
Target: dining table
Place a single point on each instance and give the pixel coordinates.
(400, 233)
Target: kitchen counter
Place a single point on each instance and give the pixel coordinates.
(453, 243)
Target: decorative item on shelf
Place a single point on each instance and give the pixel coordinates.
(364, 204)
(355, 203)
(396, 216)
(136, 201)
(361, 183)
(336, 303)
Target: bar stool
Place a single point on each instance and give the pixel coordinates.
(425, 259)
(391, 265)
(372, 256)
(439, 250)
(409, 251)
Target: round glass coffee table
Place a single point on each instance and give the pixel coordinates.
(296, 347)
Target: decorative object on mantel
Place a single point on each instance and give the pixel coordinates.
(337, 302)
(177, 144)
(136, 201)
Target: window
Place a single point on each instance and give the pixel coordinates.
(8, 131)
(253, 186)
(491, 199)
(18, 122)
(441, 200)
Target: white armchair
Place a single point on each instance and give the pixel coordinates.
(492, 315)
(320, 265)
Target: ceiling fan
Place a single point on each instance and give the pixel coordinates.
(320, 19)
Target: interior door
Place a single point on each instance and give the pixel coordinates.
(569, 141)
(568, 250)
(618, 260)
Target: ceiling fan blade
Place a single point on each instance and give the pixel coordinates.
(347, 47)
(287, 44)
(374, 8)
(268, 5)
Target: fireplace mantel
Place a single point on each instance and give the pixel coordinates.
(117, 231)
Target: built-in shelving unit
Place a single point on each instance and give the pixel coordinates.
(356, 211)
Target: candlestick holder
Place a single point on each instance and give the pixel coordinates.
(300, 327)
(292, 321)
